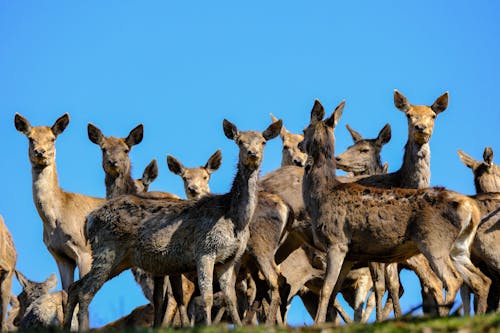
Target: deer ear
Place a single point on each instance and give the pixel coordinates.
(135, 136)
(273, 130)
(488, 156)
(60, 124)
(317, 112)
(51, 282)
(95, 134)
(230, 129)
(466, 159)
(384, 135)
(283, 131)
(22, 124)
(150, 173)
(214, 162)
(23, 281)
(385, 168)
(440, 104)
(333, 120)
(401, 102)
(355, 135)
(174, 165)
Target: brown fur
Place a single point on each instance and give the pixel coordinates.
(486, 173)
(291, 154)
(356, 223)
(8, 257)
(172, 236)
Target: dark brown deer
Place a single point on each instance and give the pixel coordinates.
(356, 223)
(8, 257)
(63, 213)
(172, 236)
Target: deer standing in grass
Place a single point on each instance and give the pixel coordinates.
(173, 236)
(8, 257)
(266, 227)
(355, 222)
(63, 213)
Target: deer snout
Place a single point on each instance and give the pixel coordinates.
(193, 189)
(420, 127)
(112, 163)
(298, 163)
(252, 154)
(39, 152)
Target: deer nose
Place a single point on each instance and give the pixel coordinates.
(298, 163)
(420, 127)
(39, 152)
(193, 189)
(252, 153)
(112, 163)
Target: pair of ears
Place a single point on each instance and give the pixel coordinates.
(214, 162)
(23, 125)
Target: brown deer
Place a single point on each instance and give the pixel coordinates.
(149, 175)
(173, 236)
(266, 228)
(8, 257)
(486, 173)
(39, 308)
(355, 222)
(291, 154)
(62, 213)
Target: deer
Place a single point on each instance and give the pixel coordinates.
(62, 213)
(8, 258)
(290, 153)
(486, 173)
(174, 236)
(267, 226)
(117, 168)
(354, 222)
(39, 308)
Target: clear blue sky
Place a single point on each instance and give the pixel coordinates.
(181, 67)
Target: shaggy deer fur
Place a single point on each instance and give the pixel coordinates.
(172, 236)
(62, 213)
(8, 257)
(266, 228)
(356, 223)
(486, 173)
(39, 309)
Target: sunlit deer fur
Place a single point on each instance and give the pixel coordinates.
(62, 213)
(266, 228)
(486, 173)
(355, 223)
(173, 236)
(8, 257)
(291, 154)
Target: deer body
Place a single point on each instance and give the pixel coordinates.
(398, 223)
(172, 236)
(8, 258)
(62, 213)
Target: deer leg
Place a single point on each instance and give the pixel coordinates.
(393, 285)
(270, 271)
(5, 285)
(170, 306)
(362, 289)
(370, 304)
(334, 259)
(84, 264)
(158, 282)
(227, 282)
(205, 270)
(178, 289)
(465, 295)
(66, 267)
(378, 277)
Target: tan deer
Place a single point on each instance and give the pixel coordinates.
(62, 213)
(291, 154)
(266, 228)
(8, 257)
(39, 308)
(355, 223)
(486, 173)
(172, 236)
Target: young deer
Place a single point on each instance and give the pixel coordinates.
(8, 257)
(38, 308)
(266, 227)
(173, 236)
(62, 213)
(486, 173)
(355, 223)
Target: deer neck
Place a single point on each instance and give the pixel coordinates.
(374, 168)
(120, 185)
(416, 168)
(243, 196)
(47, 194)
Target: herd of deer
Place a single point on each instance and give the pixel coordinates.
(299, 230)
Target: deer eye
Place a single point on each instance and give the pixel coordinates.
(286, 147)
(205, 178)
(127, 151)
(364, 150)
(263, 143)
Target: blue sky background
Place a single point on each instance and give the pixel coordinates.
(181, 67)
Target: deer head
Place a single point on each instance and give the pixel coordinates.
(115, 151)
(364, 155)
(42, 149)
(195, 179)
(291, 154)
(420, 117)
(486, 173)
(149, 174)
(31, 292)
(251, 143)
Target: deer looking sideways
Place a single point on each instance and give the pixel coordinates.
(356, 223)
(8, 257)
(173, 236)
